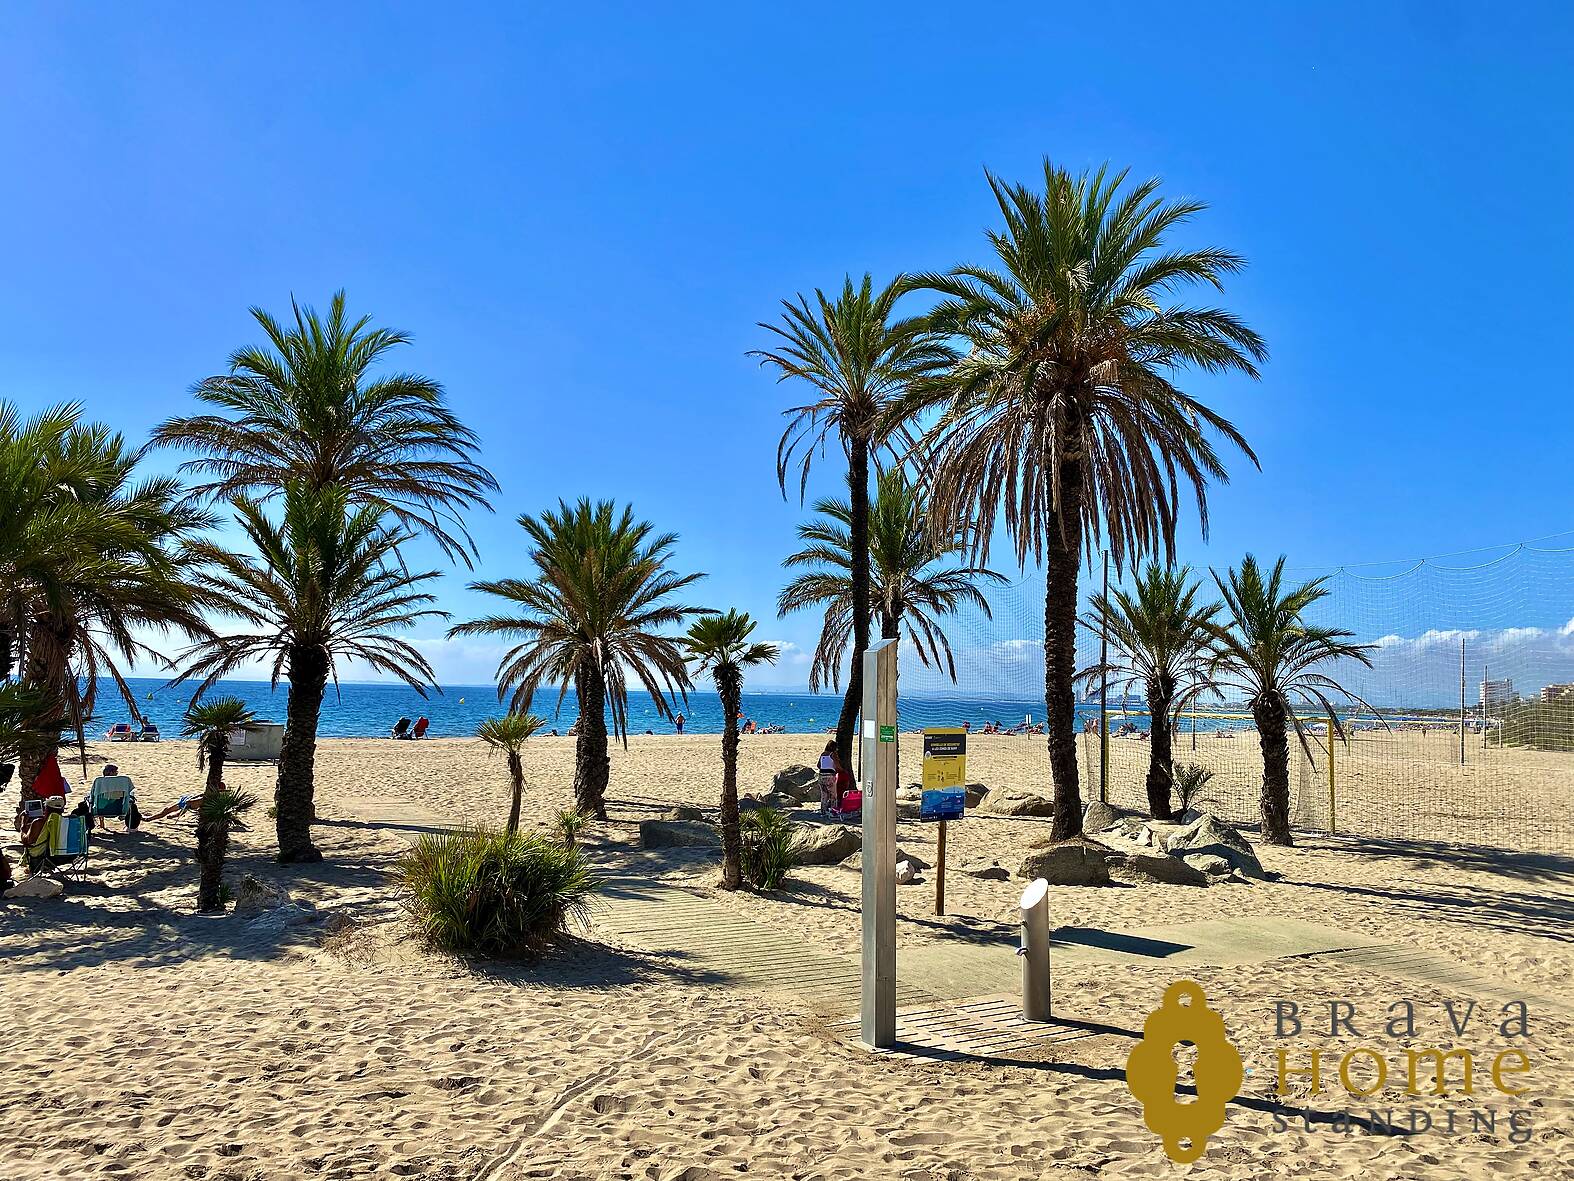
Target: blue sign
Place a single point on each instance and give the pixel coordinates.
(945, 803)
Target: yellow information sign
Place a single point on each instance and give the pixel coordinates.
(945, 757)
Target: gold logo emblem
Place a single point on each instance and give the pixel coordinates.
(1151, 1072)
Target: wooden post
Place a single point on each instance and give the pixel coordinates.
(940, 873)
(877, 762)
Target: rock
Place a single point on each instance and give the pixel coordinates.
(1156, 867)
(918, 863)
(826, 844)
(1068, 863)
(973, 794)
(909, 802)
(783, 800)
(988, 870)
(906, 875)
(800, 782)
(1010, 802)
(684, 812)
(336, 921)
(254, 896)
(290, 914)
(1209, 863)
(677, 834)
(37, 885)
(1209, 834)
(1098, 816)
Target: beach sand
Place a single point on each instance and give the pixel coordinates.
(149, 1042)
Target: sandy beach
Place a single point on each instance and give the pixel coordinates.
(149, 1042)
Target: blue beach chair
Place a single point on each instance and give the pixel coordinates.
(113, 797)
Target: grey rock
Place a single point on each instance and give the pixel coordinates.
(918, 863)
(826, 844)
(1098, 816)
(798, 781)
(1209, 834)
(677, 834)
(973, 794)
(988, 870)
(684, 812)
(1157, 867)
(1010, 802)
(1068, 863)
(1209, 863)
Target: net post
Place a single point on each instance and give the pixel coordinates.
(877, 764)
(1333, 827)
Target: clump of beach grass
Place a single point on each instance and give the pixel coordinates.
(769, 848)
(484, 892)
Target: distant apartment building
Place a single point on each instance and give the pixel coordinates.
(1557, 692)
(1497, 694)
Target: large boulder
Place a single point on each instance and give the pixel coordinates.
(1098, 816)
(1149, 866)
(684, 812)
(800, 782)
(677, 834)
(1209, 834)
(1067, 863)
(1004, 801)
(973, 794)
(826, 844)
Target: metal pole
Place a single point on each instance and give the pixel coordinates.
(877, 762)
(940, 872)
(1104, 689)
(1035, 951)
(1462, 701)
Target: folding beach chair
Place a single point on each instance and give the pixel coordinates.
(68, 845)
(852, 805)
(112, 797)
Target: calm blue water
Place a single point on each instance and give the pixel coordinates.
(363, 710)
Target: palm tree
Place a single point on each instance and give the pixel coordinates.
(211, 722)
(1161, 640)
(719, 647)
(323, 584)
(588, 619)
(304, 409)
(860, 360)
(908, 590)
(1266, 649)
(1062, 416)
(91, 559)
(509, 734)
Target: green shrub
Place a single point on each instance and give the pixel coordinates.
(1191, 780)
(480, 891)
(570, 823)
(769, 848)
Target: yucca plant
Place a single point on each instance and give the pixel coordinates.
(509, 734)
(1191, 780)
(483, 892)
(769, 848)
(219, 812)
(570, 823)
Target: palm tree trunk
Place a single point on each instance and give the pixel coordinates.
(729, 687)
(592, 767)
(1063, 557)
(1161, 768)
(516, 775)
(293, 797)
(1273, 737)
(858, 495)
(48, 665)
(212, 835)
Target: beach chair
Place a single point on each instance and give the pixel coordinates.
(68, 845)
(852, 805)
(113, 797)
(121, 732)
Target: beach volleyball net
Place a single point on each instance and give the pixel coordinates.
(1469, 741)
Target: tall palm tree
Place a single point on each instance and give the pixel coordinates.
(859, 359)
(590, 617)
(211, 722)
(90, 560)
(719, 647)
(909, 588)
(321, 585)
(509, 734)
(304, 408)
(1161, 639)
(1267, 650)
(1062, 415)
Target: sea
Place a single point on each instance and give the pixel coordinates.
(371, 710)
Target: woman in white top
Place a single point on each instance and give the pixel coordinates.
(829, 769)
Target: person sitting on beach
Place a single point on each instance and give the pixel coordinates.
(401, 729)
(179, 808)
(748, 727)
(34, 835)
(421, 724)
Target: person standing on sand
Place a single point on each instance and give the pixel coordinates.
(677, 721)
(830, 773)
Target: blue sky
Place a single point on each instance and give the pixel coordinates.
(581, 215)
